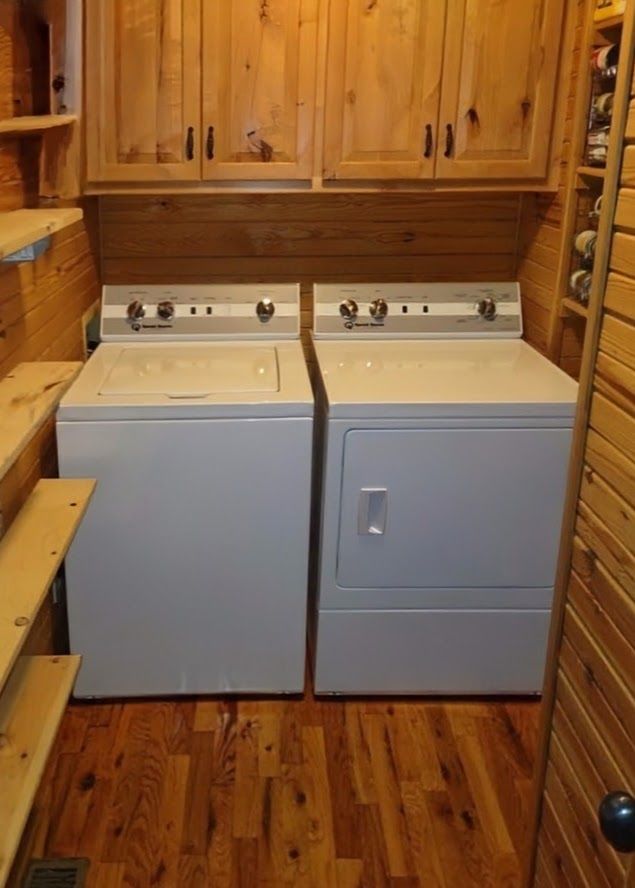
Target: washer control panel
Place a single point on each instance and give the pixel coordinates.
(200, 311)
(470, 310)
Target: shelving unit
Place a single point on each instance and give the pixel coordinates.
(44, 87)
(588, 172)
(34, 691)
(31, 553)
(28, 125)
(21, 228)
(29, 395)
(571, 305)
(584, 183)
(610, 24)
(31, 708)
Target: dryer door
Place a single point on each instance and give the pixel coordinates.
(451, 508)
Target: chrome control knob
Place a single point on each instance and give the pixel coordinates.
(136, 310)
(265, 310)
(349, 309)
(379, 308)
(486, 307)
(165, 310)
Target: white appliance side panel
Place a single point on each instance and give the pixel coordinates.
(431, 652)
(477, 508)
(189, 571)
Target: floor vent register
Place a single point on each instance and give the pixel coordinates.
(57, 873)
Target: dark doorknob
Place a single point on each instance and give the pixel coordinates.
(617, 821)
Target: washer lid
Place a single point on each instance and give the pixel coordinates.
(451, 378)
(183, 372)
(200, 380)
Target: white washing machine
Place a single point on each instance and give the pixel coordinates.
(445, 451)
(189, 572)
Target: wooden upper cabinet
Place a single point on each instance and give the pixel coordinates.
(208, 90)
(383, 76)
(259, 75)
(499, 81)
(143, 88)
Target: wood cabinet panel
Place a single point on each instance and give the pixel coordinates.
(225, 90)
(259, 73)
(382, 90)
(143, 87)
(499, 79)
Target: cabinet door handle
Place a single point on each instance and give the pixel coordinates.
(211, 143)
(449, 141)
(429, 144)
(189, 143)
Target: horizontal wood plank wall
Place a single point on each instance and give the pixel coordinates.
(592, 749)
(540, 242)
(41, 303)
(41, 308)
(307, 238)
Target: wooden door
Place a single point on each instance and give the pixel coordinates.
(588, 746)
(499, 80)
(382, 88)
(143, 90)
(259, 71)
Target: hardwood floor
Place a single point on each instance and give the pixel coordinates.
(329, 794)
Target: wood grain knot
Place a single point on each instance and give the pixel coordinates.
(472, 115)
(87, 782)
(21, 621)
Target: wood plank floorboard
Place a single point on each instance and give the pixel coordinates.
(275, 793)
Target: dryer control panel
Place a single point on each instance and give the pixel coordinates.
(409, 311)
(200, 311)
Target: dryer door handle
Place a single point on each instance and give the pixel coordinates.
(372, 511)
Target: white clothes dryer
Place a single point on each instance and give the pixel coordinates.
(446, 441)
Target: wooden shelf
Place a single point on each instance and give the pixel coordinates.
(609, 24)
(21, 228)
(29, 395)
(588, 172)
(31, 553)
(18, 126)
(571, 306)
(31, 708)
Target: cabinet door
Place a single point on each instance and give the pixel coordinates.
(382, 91)
(259, 70)
(499, 80)
(143, 90)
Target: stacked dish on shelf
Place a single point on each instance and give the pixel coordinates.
(584, 255)
(604, 65)
(604, 62)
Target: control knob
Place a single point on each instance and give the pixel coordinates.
(136, 310)
(165, 310)
(265, 310)
(349, 309)
(486, 308)
(379, 308)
